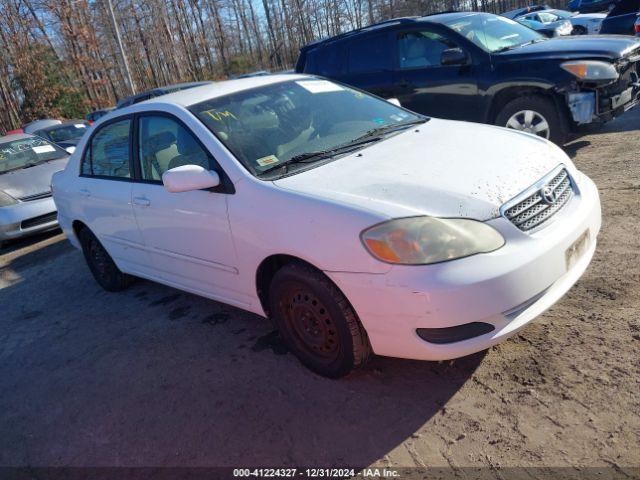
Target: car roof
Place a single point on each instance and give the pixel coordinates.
(431, 18)
(195, 95)
(161, 90)
(179, 85)
(523, 11)
(15, 136)
(64, 124)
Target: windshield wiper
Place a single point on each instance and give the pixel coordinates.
(309, 157)
(388, 129)
(372, 135)
(513, 47)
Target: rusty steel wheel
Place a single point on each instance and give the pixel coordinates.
(316, 321)
(309, 321)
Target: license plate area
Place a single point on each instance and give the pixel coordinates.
(621, 99)
(577, 249)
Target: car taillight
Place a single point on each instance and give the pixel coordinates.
(637, 27)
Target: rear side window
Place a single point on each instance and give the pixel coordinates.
(370, 54)
(108, 151)
(325, 61)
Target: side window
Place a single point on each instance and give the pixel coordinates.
(370, 54)
(422, 49)
(165, 144)
(546, 17)
(327, 61)
(108, 152)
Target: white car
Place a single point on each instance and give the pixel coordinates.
(357, 226)
(581, 23)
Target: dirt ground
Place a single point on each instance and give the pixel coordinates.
(156, 377)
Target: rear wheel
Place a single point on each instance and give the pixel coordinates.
(534, 114)
(102, 266)
(316, 321)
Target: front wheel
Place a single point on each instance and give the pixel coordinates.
(579, 30)
(316, 321)
(537, 115)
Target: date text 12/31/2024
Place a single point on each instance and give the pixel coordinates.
(315, 473)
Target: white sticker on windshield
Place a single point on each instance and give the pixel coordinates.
(319, 86)
(268, 160)
(79, 125)
(44, 149)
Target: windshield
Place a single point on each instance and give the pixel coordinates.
(27, 152)
(64, 132)
(269, 126)
(493, 33)
(561, 14)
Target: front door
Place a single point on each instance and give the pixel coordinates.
(186, 234)
(424, 85)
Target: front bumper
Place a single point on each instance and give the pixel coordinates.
(602, 104)
(26, 218)
(507, 288)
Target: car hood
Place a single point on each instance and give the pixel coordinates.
(31, 181)
(609, 47)
(445, 169)
(589, 16)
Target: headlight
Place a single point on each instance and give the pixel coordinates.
(591, 70)
(424, 240)
(6, 199)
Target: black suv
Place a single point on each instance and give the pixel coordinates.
(485, 68)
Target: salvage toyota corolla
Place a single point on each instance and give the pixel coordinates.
(357, 226)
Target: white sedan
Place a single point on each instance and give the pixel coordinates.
(357, 226)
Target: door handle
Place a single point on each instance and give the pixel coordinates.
(404, 84)
(142, 201)
(84, 192)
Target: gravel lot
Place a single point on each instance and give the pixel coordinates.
(156, 377)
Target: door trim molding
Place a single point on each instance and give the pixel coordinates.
(178, 256)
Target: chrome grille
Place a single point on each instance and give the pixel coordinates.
(541, 205)
(36, 196)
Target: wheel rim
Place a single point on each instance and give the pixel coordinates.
(310, 323)
(98, 257)
(530, 122)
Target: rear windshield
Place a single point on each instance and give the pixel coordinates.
(65, 132)
(27, 152)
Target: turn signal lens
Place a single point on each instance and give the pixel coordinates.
(6, 199)
(425, 240)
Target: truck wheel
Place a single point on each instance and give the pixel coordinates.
(316, 321)
(535, 114)
(102, 266)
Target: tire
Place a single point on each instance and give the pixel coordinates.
(542, 107)
(579, 30)
(102, 266)
(316, 321)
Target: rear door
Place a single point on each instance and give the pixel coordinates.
(104, 192)
(424, 85)
(369, 63)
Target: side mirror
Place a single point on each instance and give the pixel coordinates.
(394, 101)
(453, 56)
(70, 149)
(189, 177)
